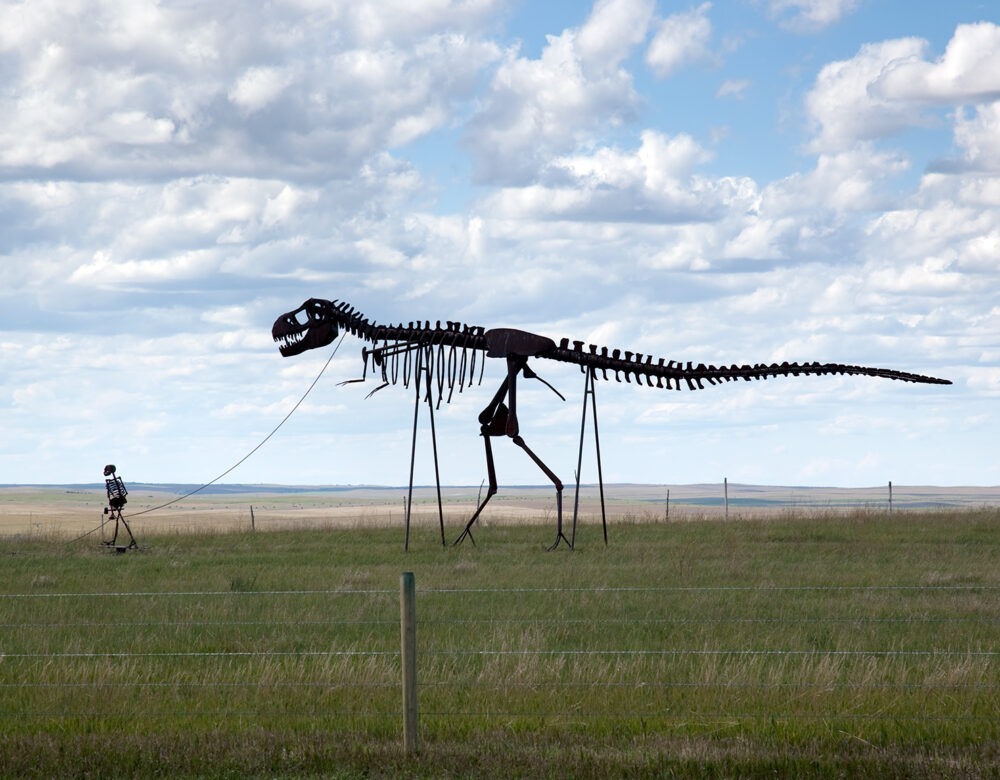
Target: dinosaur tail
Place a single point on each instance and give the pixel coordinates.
(675, 375)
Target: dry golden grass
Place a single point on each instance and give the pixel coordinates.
(793, 646)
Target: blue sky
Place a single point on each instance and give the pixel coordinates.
(745, 181)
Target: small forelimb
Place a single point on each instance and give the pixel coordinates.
(384, 384)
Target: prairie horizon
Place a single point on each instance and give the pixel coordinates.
(66, 510)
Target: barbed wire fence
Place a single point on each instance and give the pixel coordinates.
(340, 658)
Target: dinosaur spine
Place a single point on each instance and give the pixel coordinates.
(671, 374)
(437, 347)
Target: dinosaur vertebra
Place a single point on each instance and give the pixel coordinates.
(448, 356)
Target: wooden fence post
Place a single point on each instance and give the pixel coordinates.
(408, 640)
(890, 496)
(725, 494)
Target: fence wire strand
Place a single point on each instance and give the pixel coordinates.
(438, 683)
(712, 588)
(188, 593)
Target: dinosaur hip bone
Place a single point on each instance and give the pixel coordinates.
(501, 342)
(431, 358)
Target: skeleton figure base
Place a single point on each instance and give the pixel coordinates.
(116, 515)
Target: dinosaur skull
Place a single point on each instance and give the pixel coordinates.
(307, 327)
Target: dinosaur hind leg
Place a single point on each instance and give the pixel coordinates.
(492, 422)
(560, 536)
(492, 474)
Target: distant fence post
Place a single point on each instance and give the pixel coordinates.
(725, 494)
(666, 509)
(408, 654)
(253, 525)
(890, 496)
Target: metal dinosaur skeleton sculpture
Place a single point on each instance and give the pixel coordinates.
(446, 358)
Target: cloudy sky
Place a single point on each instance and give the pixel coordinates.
(725, 181)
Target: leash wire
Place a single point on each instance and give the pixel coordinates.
(241, 460)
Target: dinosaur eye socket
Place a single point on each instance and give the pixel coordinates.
(301, 317)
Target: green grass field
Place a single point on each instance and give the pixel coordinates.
(831, 646)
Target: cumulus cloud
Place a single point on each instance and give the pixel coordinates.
(844, 108)
(172, 177)
(948, 224)
(978, 135)
(680, 39)
(843, 181)
(889, 86)
(967, 72)
(104, 89)
(259, 86)
(537, 108)
(652, 183)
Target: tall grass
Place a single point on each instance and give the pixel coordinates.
(856, 644)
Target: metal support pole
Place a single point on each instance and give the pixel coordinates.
(589, 389)
(597, 446)
(413, 449)
(434, 446)
(408, 655)
(579, 457)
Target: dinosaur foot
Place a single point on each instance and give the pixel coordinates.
(560, 537)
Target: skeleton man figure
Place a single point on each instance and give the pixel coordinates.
(116, 500)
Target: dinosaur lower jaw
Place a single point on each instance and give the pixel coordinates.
(297, 342)
(290, 345)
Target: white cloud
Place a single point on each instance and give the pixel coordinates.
(889, 86)
(538, 108)
(968, 72)
(173, 177)
(810, 15)
(103, 270)
(654, 183)
(681, 39)
(613, 28)
(978, 135)
(259, 86)
(733, 87)
(102, 89)
(945, 231)
(934, 276)
(373, 21)
(843, 181)
(659, 163)
(843, 105)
